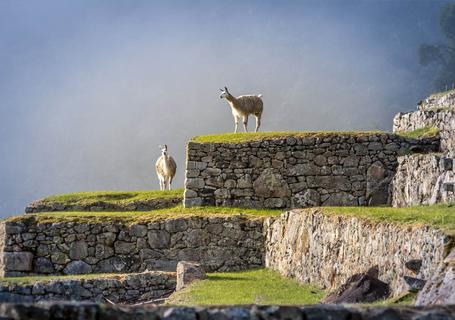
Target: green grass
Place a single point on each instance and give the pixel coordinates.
(441, 216)
(118, 197)
(34, 279)
(425, 132)
(258, 286)
(259, 136)
(407, 298)
(441, 93)
(143, 216)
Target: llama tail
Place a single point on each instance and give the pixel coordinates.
(259, 95)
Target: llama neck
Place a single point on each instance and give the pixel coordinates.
(231, 99)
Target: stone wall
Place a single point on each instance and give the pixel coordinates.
(317, 169)
(325, 250)
(139, 205)
(92, 311)
(423, 179)
(218, 243)
(438, 101)
(128, 288)
(444, 120)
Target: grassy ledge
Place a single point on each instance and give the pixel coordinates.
(425, 132)
(259, 136)
(114, 197)
(132, 217)
(258, 286)
(441, 216)
(34, 279)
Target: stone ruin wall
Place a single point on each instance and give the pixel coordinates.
(325, 250)
(427, 178)
(129, 289)
(327, 170)
(423, 179)
(219, 244)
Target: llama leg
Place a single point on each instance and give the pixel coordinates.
(258, 122)
(161, 184)
(169, 181)
(245, 123)
(236, 119)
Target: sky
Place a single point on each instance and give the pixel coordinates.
(90, 88)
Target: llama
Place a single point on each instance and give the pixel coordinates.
(243, 106)
(165, 168)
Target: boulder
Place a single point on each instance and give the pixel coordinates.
(307, 198)
(271, 185)
(414, 284)
(188, 272)
(414, 265)
(77, 267)
(360, 288)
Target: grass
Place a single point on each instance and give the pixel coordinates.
(441, 216)
(259, 136)
(131, 217)
(407, 298)
(425, 132)
(117, 197)
(258, 286)
(34, 279)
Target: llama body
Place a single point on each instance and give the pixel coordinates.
(243, 106)
(165, 169)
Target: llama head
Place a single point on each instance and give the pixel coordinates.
(163, 149)
(224, 93)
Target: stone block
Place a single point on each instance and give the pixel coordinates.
(187, 273)
(17, 261)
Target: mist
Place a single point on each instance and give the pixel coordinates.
(89, 89)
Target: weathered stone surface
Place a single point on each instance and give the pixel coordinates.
(77, 267)
(414, 265)
(78, 250)
(415, 284)
(18, 261)
(131, 288)
(73, 247)
(307, 198)
(440, 288)
(326, 250)
(275, 173)
(420, 179)
(91, 311)
(359, 288)
(188, 272)
(270, 185)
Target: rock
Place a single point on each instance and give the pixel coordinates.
(78, 250)
(122, 247)
(188, 272)
(414, 284)
(271, 185)
(377, 192)
(77, 267)
(341, 199)
(359, 288)
(158, 239)
(307, 198)
(414, 265)
(43, 265)
(138, 230)
(18, 261)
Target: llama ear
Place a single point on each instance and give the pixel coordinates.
(165, 147)
(221, 90)
(226, 89)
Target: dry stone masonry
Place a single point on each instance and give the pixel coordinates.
(321, 169)
(130, 288)
(92, 311)
(139, 205)
(424, 179)
(218, 243)
(326, 250)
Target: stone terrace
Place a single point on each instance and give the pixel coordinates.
(300, 170)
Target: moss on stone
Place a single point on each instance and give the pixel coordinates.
(259, 136)
(441, 216)
(34, 279)
(425, 132)
(123, 197)
(132, 217)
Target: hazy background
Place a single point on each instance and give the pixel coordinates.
(89, 89)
